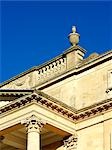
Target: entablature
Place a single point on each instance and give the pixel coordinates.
(51, 104)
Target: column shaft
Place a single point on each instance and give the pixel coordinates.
(33, 142)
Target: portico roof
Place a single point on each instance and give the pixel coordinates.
(56, 106)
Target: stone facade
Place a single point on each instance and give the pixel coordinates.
(86, 88)
(64, 104)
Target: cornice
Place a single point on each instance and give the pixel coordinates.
(97, 59)
(9, 94)
(72, 48)
(57, 107)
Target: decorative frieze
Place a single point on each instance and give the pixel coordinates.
(74, 115)
(25, 82)
(71, 142)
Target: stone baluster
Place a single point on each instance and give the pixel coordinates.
(51, 70)
(47, 71)
(55, 67)
(61, 63)
(41, 75)
(44, 72)
(58, 64)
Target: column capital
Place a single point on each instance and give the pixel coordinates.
(33, 124)
(71, 142)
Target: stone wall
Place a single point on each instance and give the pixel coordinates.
(91, 138)
(84, 89)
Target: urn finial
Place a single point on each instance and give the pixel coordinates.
(74, 37)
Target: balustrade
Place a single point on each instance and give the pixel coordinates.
(51, 70)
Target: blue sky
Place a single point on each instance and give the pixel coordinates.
(33, 32)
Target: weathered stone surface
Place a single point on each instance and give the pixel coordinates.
(85, 89)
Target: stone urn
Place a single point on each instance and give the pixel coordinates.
(74, 37)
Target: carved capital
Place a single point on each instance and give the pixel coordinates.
(71, 143)
(33, 124)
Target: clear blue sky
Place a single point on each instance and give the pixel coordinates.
(33, 32)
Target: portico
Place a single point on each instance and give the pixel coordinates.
(38, 124)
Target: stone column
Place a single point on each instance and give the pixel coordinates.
(71, 143)
(33, 126)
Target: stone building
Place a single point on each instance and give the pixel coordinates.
(64, 104)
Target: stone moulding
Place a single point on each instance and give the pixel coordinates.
(75, 116)
(9, 95)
